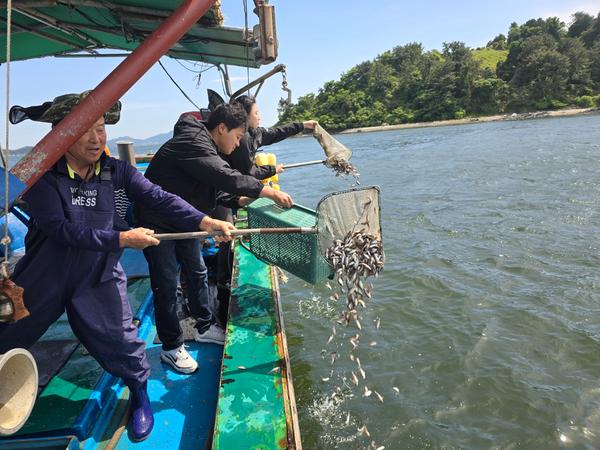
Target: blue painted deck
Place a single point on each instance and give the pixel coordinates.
(85, 407)
(183, 405)
(84, 402)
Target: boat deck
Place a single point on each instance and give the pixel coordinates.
(256, 406)
(84, 407)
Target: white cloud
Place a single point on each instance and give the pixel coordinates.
(566, 12)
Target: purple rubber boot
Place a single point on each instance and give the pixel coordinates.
(142, 419)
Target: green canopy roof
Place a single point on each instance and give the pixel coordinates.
(54, 27)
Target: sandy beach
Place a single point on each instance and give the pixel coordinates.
(496, 118)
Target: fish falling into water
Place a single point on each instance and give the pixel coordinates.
(354, 259)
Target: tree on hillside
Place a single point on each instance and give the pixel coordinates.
(592, 34)
(301, 111)
(537, 65)
(579, 58)
(436, 99)
(535, 27)
(498, 43)
(403, 58)
(490, 96)
(542, 71)
(518, 34)
(595, 65)
(580, 24)
(411, 67)
(357, 77)
(555, 28)
(464, 70)
(382, 81)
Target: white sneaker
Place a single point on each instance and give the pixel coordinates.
(213, 334)
(179, 359)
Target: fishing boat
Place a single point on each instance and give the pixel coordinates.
(242, 396)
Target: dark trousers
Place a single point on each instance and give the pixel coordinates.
(99, 314)
(224, 267)
(163, 262)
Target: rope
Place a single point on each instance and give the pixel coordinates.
(6, 239)
(178, 87)
(196, 71)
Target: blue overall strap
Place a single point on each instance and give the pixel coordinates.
(106, 173)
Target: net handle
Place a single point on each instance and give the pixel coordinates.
(248, 231)
(302, 164)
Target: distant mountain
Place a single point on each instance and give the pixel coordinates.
(141, 146)
(19, 151)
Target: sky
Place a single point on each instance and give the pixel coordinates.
(319, 40)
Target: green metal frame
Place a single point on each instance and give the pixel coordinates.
(256, 407)
(298, 253)
(44, 28)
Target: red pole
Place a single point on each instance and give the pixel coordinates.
(55, 144)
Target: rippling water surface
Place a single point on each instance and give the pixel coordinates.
(489, 301)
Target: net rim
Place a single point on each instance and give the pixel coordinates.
(320, 214)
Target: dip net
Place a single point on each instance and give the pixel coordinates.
(338, 215)
(338, 155)
(346, 212)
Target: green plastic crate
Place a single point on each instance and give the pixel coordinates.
(297, 253)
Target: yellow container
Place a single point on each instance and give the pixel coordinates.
(272, 158)
(261, 159)
(267, 159)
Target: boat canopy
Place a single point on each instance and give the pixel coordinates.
(62, 27)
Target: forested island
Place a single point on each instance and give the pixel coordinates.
(541, 65)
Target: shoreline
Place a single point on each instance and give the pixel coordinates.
(468, 120)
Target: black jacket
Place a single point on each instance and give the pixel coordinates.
(189, 166)
(242, 157)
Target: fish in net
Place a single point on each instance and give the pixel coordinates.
(338, 155)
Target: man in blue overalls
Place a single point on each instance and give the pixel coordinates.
(73, 245)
